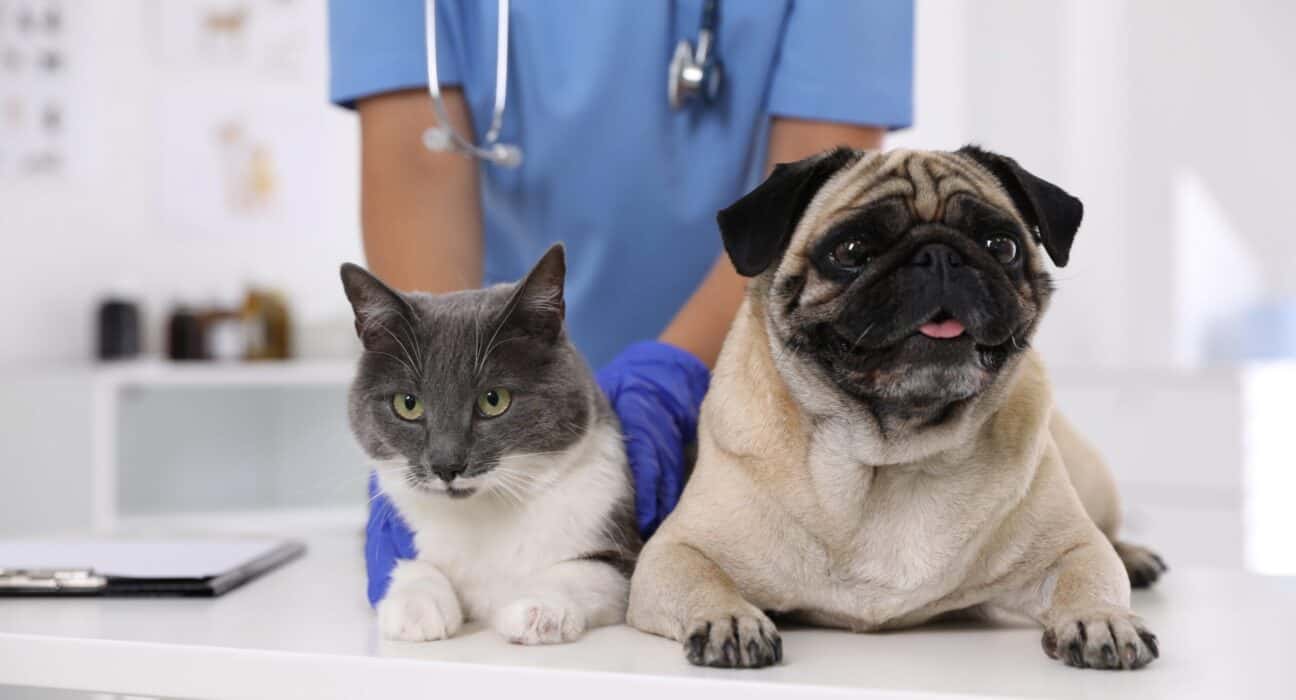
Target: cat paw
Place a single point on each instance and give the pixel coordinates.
(1104, 639)
(535, 621)
(733, 641)
(423, 614)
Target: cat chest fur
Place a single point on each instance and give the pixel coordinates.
(488, 546)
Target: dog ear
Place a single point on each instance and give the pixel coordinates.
(757, 228)
(1053, 213)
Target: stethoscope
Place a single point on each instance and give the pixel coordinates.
(692, 73)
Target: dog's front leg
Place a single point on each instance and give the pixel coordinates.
(679, 592)
(1083, 603)
(559, 603)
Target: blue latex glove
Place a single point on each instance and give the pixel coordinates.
(656, 391)
(387, 538)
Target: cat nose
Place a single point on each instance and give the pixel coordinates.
(448, 472)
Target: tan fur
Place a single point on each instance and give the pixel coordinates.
(798, 505)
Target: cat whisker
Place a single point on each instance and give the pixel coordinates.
(414, 340)
(490, 344)
(339, 484)
(404, 349)
(506, 484)
(476, 342)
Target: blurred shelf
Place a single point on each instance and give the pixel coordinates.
(156, 373)
(298, 522)
(112, 382)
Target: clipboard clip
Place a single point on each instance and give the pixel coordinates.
(51, 580)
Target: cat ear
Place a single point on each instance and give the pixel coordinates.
(537, 305)
(376, 306)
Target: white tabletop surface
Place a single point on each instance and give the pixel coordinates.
(306, 631)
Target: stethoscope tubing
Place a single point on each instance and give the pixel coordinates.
(444, 137)
(491, 138)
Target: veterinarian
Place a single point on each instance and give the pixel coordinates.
(608, 132)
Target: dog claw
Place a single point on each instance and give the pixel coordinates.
(734, 641)
(1110, 639)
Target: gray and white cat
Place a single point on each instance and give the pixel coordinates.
(497, 448)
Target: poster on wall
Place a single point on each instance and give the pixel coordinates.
(264, 37)
(238, 117)
(36, 94)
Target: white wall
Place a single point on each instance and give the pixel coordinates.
(1119, 102)
(103, 226)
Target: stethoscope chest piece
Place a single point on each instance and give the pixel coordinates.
(697, 72)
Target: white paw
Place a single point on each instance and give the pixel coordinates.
(420, 613)
(534, 621)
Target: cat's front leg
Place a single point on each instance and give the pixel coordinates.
(560, 603)
(420, 605)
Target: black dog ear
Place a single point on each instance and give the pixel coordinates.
(1048, 208)
(757, 228)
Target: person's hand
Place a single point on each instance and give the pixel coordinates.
(387, 538)
(656, 390)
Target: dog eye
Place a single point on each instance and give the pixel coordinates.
(408, 406)
(1003, 248)
(850, 253)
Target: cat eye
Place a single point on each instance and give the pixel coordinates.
(408, 406)
(1003, 248)
(850, 253)
(494, 402)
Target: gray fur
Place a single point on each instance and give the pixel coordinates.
(449, 348)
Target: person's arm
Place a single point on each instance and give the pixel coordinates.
(701, 325)
(420, 211)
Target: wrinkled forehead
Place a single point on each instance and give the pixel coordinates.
(925, 180)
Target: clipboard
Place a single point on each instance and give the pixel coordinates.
(115, 567)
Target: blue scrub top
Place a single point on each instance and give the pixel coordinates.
(631, 186)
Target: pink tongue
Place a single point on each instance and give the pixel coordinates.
(945, 329)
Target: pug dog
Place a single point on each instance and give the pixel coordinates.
(879, 446)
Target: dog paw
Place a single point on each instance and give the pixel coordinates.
(1108, 640)
(1142, 564)
(733, 641)
(534, 621)
(420, 614)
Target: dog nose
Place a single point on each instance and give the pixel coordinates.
(448, 472)
(937, 255)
